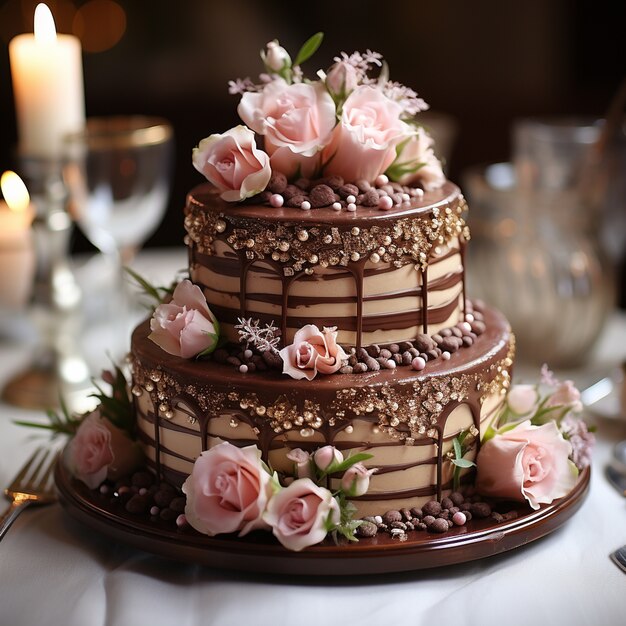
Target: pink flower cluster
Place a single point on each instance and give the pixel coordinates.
(230, 490)
(346, 123)
(540, 445)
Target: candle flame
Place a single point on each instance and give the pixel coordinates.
(45, 30)
(14, 191)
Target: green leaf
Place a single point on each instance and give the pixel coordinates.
(309, 48)
(463, 463)
(157, 293)
(346, 463)
(458, 453)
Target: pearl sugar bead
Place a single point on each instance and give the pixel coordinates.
(276, 200)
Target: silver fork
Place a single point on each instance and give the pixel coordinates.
(32, 485)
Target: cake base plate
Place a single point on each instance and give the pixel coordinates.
(259, 552)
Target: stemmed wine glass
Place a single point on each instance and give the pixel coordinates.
(117, 171)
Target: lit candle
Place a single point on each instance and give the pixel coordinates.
(17, 256)
(47, 76)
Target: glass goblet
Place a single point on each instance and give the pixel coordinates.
(117, 171)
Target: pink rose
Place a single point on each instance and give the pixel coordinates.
(356, 480)
(311, 352)
(566, 395)
(417, 163)
(325, 456)
(227, 490)
(363, 144)
(233, 163)
(185, 326)
(100, 450)
(523, 399)
(296, 121)
(302, 514)
(527, 462)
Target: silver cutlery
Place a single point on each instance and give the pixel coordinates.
(33, 485)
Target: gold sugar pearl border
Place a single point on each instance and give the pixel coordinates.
(299, 246)
(406, 411)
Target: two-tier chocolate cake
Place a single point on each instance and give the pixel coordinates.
(345, 245)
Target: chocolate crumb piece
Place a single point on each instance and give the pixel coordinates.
(296, 201)
(334, 182)
(359, 368)
(168, 515)
(392, 516)
(233, 360)
(405, 345)
(291, 191)
(400, 525)
(394, 348)
(406, 514)
(370, 198)
(142, 479)
(410, 526)
(220, 355)
(468, 514)
(303, 183)
(321, 195)
(428, 520)
(480, 509)
(417, 513)
(420, 526)
(363, 185)
(366, 529)
(178, 504)
(372, 364)
(348, 190)
(407, 358)
(447, 503)
(163, 497)
(457, 498)
(439, 526)
(451, 344)
(138, 504)
(497, 517)
(278, 182)
(385, 354)
(346, 369)
(432, 507)
(362, 354)
(424, 343)
(373, 350)
(509, 516)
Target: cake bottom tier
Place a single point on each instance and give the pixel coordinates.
(405, 419)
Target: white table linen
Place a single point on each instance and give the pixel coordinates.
(55, 571)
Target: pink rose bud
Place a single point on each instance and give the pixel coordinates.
(522, 399)
(326, 456)
(356, 480)
(276, 57)
(341, 79)
(302, 462)
(566, 394)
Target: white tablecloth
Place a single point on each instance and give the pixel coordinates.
(54, 571)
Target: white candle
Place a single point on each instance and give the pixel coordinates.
(47, 76)
(17, 255)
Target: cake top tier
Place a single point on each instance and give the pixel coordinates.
(322, 142)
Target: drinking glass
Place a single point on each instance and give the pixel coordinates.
(117, 171)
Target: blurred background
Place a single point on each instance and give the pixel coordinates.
(483, 64)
